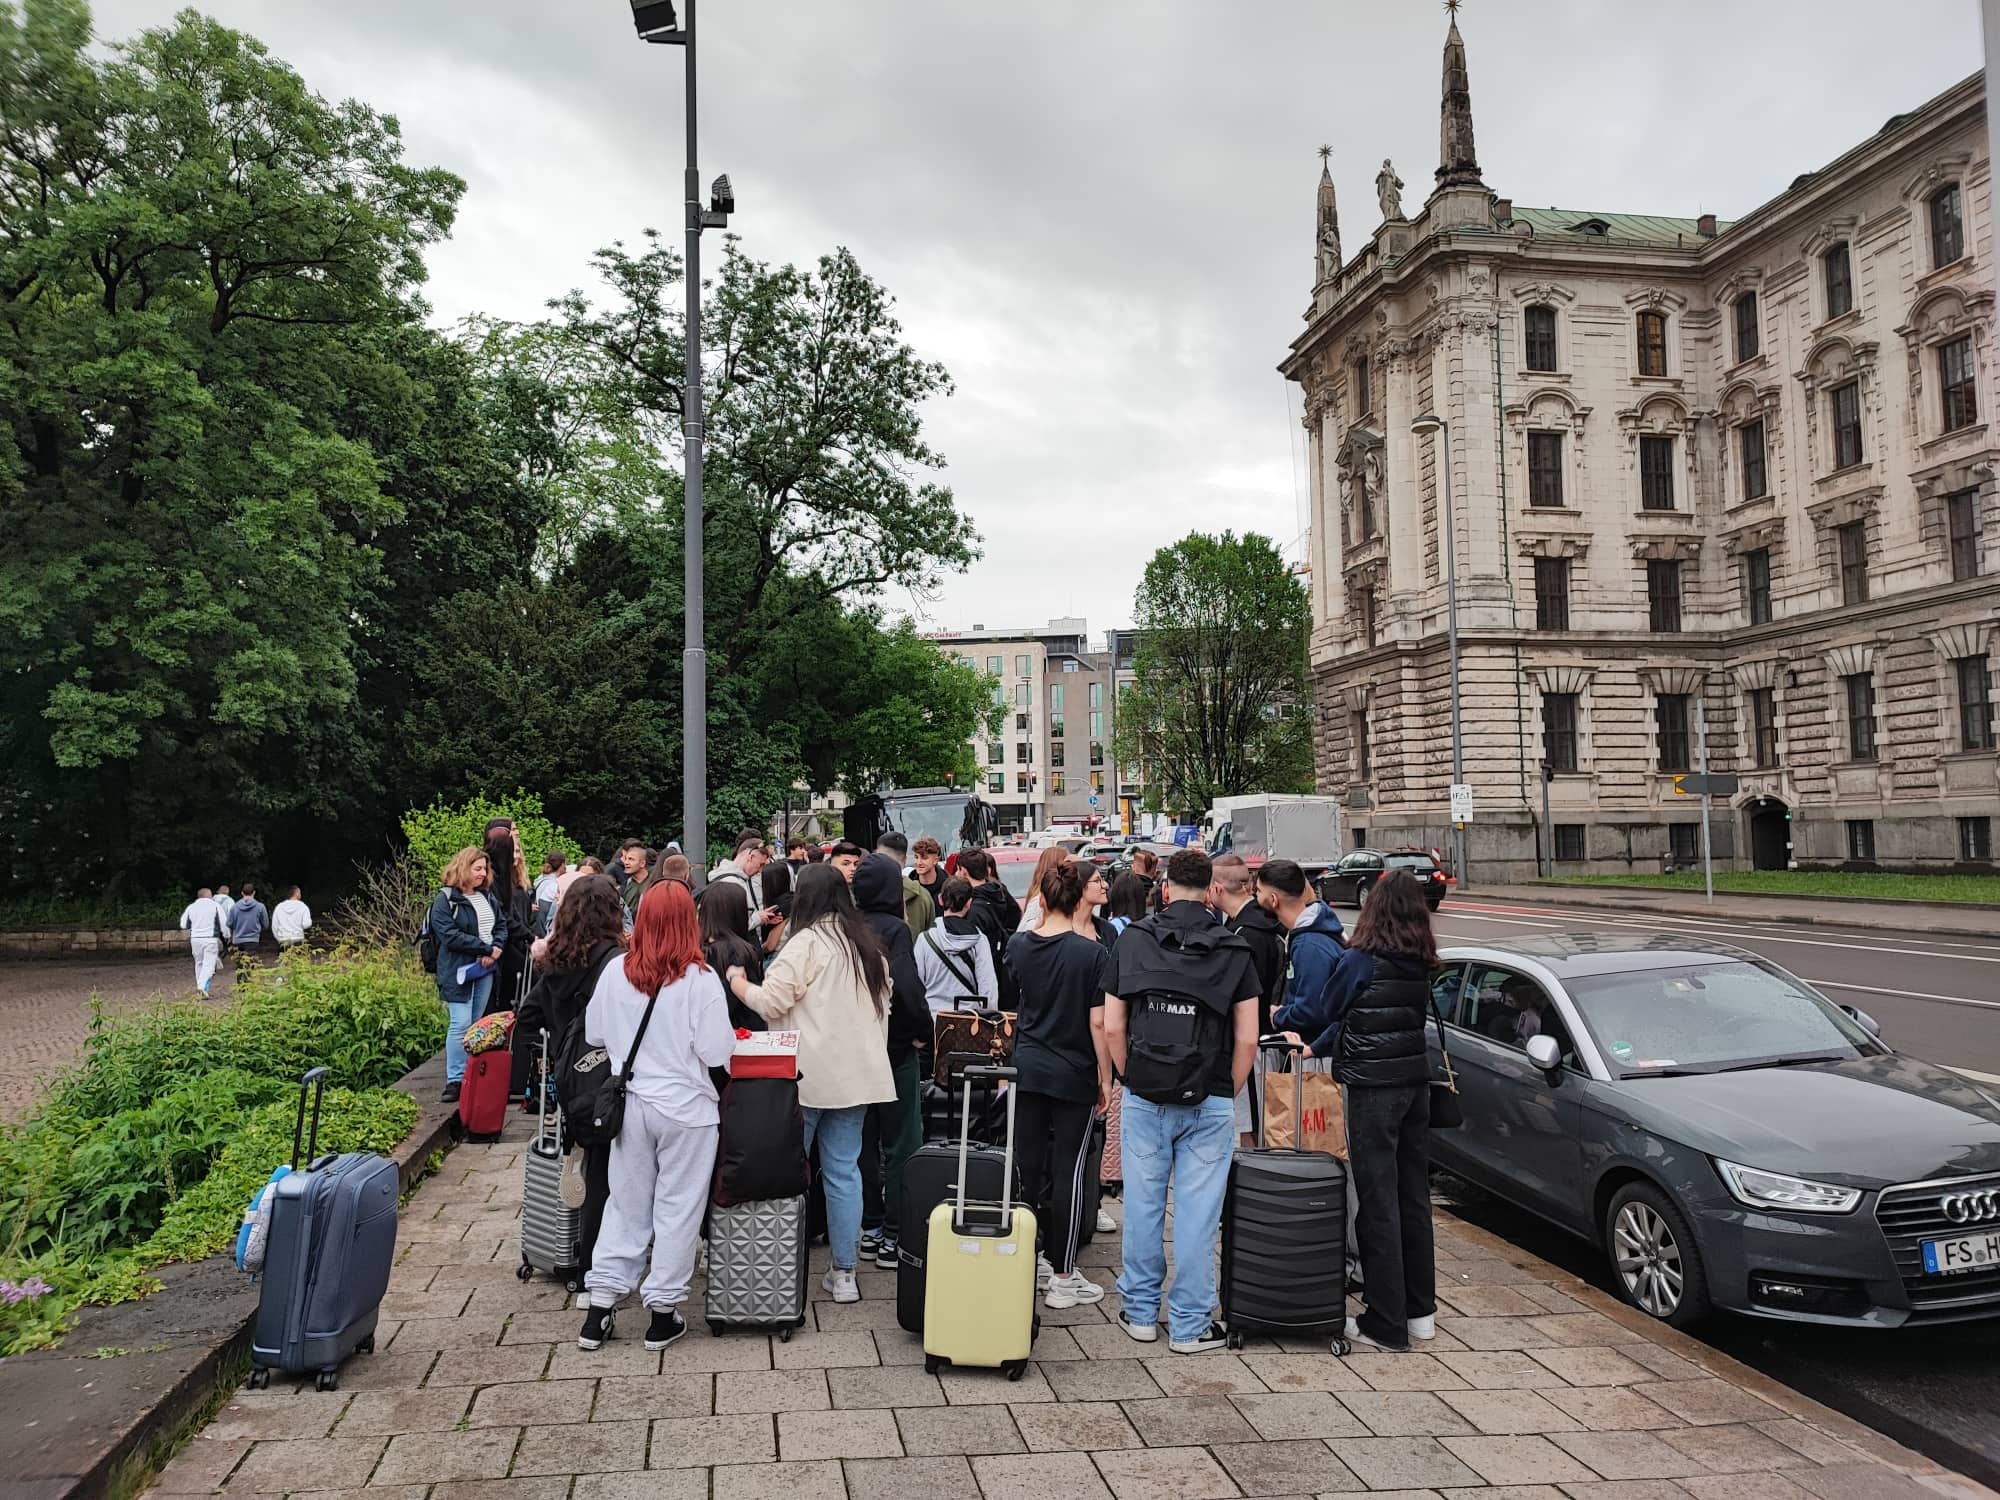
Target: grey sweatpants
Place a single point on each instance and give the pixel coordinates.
(660, 1171)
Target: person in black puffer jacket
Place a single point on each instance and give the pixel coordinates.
(893, 1130)
(1369, 1019)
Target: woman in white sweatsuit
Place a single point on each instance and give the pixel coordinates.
(664, 1155)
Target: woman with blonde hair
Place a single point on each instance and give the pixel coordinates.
(470, 928)
(1031, 914)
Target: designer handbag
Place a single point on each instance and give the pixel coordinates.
(965, 1038)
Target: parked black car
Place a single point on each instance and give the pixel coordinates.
(1350, 879)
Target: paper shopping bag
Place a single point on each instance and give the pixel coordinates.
(1325, 1120)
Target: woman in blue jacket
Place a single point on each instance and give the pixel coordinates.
(471, 932)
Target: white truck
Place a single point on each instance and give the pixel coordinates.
(1274, 826)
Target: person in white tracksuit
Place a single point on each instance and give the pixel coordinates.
(664, 1156)
(203, 923)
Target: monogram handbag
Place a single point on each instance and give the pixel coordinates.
(967, 1038)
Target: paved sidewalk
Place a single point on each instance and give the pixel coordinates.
(1538, 1388)
(1942, 918)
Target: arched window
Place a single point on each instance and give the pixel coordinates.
(1540, 321)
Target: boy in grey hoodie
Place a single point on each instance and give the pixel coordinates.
(954, 960)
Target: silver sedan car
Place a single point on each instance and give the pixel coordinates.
(1731, 1138)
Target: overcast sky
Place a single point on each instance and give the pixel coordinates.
(1097, 213)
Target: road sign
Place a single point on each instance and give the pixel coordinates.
(1461, 802)
(1715, 784)
(1093, 799)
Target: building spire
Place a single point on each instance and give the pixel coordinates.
(1326, 237)
(1458, 162)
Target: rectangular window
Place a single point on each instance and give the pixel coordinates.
(1947, 226)
(1569, 842)
(1055, 752)
(996, 753)
(1541, 337)
(1055, 726)
(1096, 725)
(1839, 281)
(1656, 472)
(1559, 730)
(1096, 753)
(1975, 840)
(1750, 439)
(1860, 715)
(1024, 666)
(1757, 585)
(1670, 717)
(1652, 343)
(1097, 783)
(1962, 522)
(1551, 593)
(1663, 595)
(1020, 723)
(1362, 395)
(1746, 327)
(1545, 468)
(1357, 735)
(1055, 697)
(1975, 703)
(1023, 694)
(1763, 727)
(1055, 783)
(1021, 753)
(1853, 541)
(1021, 781)
(1097, 695)
(996, 784)
(1070, 665)
(1961, 404)
(1861, 839)
(1845, 401)
(992, 666)
(1683, 843)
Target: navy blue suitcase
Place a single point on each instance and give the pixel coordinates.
(326, 1265)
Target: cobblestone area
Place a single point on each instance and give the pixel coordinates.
(45, 1010)
(1536, 1389)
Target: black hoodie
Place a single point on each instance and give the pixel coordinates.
(997, 915)
(1266, 936)
(878, 891)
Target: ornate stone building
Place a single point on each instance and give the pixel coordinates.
(1733, 473)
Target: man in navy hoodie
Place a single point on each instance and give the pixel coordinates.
(248, 921)
(1316, 936)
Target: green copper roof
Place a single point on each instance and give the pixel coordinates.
(1652, 229)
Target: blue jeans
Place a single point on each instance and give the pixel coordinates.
(1191, 1144)
(839, 1134)
(463, 1016)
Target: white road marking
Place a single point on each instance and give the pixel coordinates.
(1973, 1073)
(1876, 989)
(1858, 937)
(1585, 919)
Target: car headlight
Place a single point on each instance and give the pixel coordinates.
(1762, 1189)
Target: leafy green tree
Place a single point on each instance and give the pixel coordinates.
(1220, 704)
(433, 834)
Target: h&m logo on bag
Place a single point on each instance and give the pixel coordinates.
(1314, 1120)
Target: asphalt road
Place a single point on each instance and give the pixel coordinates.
(1936, 1390)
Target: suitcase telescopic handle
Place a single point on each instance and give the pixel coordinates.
(542, 1121)
(1277, 1041)
(313, 1083)
(999, 1075)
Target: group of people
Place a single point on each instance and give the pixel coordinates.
(215, 920)
(1140, 998)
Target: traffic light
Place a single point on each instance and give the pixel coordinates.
(1548, 771)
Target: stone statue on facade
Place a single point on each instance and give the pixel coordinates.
(1389, 191)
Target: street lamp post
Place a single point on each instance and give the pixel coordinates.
(656, 22)
(1432, 422)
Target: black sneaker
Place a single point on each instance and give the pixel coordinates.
(667, 1325)
(450, 1094)
(596, 1328)
(1215, 1338)
(885, 1253)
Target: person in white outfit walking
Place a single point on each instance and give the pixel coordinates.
(202, 922)
(662, 1006)
(289, 920)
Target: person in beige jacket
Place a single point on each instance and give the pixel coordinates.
(830, 983)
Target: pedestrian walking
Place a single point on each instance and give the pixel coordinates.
(893, 1129)
(202, 922)
(1369, 1020)
(1065, 1075)
(662, 1007)
(224, 902)
(589, 932)
(831, 983)
(953, 958)
(249, 920)
(1181, 1028)
(1234, 895)
(290, 919)
(471, 933)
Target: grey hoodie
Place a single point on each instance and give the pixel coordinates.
(956, 939)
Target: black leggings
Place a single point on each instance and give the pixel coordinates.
(1051, 1138)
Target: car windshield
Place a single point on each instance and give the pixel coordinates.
(1710, 1017)
(1015, 875)
(1409, 861)
(929, 817)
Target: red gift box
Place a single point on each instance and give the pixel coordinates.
(765, 1054)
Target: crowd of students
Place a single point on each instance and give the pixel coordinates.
(1140, 999)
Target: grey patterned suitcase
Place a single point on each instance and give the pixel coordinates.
(548, 1225)
(757, 1266)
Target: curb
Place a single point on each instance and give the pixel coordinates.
(1566, 896)
(117, 1416)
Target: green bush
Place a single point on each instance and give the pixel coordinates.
(46, 910)
(437, 832)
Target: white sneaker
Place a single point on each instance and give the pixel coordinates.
(1144, 1333)
(1356, 1336)
(841, 1286)
(1105, 1223)
(572, 1189)
(1044, 1273)
(1424, 1329)
(1072, 1290)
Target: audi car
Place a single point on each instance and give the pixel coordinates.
(1728, 1136)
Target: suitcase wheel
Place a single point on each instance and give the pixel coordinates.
(714, 1329)
(524, 1271)
(1015, 1368)
(1236, 1341)
(785, 1335)
(933, 1363)
(1342, 1347)
(327, 1380)
(572, 1282)
(366, 1346)
(260, 1378)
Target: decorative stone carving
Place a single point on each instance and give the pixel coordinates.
(1860, 505)
(1666, 548)
(1389, 192)
(1542, 291)
(1673, 679)
(1962, 640)
(1561, 677)
(1571, 545)
(1850, 661)
(1752, 675)
(1752, 538)
(1327, 238)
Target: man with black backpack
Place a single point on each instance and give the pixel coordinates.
(1181, 1027)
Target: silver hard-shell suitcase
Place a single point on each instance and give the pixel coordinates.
(326, 1265)
(757, 1266)
(548, 1225)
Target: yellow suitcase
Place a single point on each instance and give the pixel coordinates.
(979, 1259)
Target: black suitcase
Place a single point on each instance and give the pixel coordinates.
(1284, 1238)
(930, 1176)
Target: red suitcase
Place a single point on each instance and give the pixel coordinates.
(483, 1095)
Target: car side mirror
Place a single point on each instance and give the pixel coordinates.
(1545, 1054)
(1867, 1022)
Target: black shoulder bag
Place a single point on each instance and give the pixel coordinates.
(593, 1097)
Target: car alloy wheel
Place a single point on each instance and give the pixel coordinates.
(1653, 1252)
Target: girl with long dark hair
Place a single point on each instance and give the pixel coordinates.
(725, 942)
(830, 983)
(777, 881)
(1130, 896)
(1369, 1020)
(664, 1155)
(510, 889)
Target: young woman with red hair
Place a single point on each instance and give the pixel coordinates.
(663, 1158)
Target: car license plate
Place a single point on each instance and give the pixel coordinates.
(1973, 1253)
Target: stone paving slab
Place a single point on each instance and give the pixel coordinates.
(1538, 1388)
